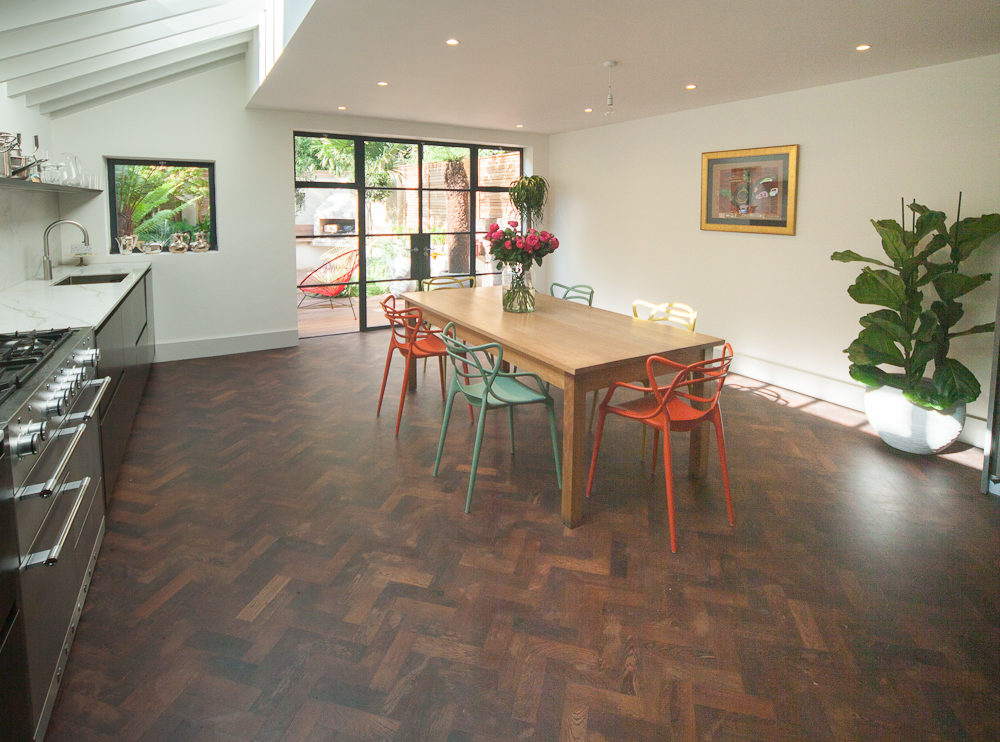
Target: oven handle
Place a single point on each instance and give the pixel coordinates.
(103, 387)
(53, 554)
(49, 487)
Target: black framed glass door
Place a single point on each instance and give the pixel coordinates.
(417, 209)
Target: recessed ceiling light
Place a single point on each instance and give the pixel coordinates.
(341, 108)
(863, 47)
(518, 126)
(381, 83)
(692, 86)
(588, 110)
(452, 42)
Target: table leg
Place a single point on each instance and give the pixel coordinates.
(574, 436)
(698, 455)
(411, 379)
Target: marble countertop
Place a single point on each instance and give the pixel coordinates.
(40, 305)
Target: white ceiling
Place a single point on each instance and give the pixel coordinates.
(539, 62)
(64, 55)
(532, 62)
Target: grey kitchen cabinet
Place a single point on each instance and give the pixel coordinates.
(126, 342)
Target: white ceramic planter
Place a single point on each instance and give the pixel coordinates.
(907, 427)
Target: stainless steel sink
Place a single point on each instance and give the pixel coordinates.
(91, 278)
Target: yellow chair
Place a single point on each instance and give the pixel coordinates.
(672, 312)
(447, 282)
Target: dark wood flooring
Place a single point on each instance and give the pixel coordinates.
(278, 566)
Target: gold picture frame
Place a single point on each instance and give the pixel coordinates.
(750, 190)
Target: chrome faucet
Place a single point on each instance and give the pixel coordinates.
(46, 260)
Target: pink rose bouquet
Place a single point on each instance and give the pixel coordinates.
(510, 247)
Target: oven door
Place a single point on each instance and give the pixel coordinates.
(55, 571)
(34, 496)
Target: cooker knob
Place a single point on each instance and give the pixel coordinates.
(40, 428)
(27, 443)
(68, 381)
(51, 405)
(89, 357)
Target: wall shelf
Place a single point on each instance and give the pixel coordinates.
(27, 185)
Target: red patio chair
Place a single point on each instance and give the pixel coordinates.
(331, 280)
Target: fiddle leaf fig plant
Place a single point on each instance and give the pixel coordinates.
(913, 329)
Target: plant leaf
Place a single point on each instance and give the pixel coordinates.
(955, 383)
(890, 322)
(871, 375)
(874, 346)
(933, 270)
(988, 327)
(950, 286)
(893, 239)
(948, 313)
(928, 221)
(880, 287)
(849, 256)
(969, 233)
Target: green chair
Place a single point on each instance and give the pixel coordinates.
(478, 377)
(581, 292)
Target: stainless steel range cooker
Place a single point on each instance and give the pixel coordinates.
(52, 475)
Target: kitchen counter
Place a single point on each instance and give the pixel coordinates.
(39, 305)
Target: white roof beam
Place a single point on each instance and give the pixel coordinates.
(133, 83)
(134, 54)
(23, 14)
(85, 49)
(229, 44)
(73, 28)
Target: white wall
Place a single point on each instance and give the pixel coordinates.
(23, 216)
(243, 296)
(626, 202)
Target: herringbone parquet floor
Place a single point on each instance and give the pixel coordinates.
(279, 567)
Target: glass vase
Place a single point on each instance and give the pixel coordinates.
(518, 290)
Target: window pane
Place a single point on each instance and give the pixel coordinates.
(446, 167)
(324, 160)
(321, 213)
(391, 211)
(494, 207)
(387, 258)
(446, 211)
(498, 167)
(155, 200)
(449, 254)
(390, 165)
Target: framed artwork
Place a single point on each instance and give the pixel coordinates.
(750, 190)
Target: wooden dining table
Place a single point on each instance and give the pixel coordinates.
(574, 347)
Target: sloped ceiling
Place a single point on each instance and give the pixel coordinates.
(66, 55)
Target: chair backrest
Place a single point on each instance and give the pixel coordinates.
(407, 324)
(672, 312)
(448, 282)
(472, 363)
(581, 292)
(331, 278)
(711, 374)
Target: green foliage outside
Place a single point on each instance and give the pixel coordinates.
(150, 198)
(909, 333)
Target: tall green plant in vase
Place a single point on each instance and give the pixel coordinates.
(914, 329)
(528, 195)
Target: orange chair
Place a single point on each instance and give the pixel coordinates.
(673, 409)
(332, 280)
(413, 340)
